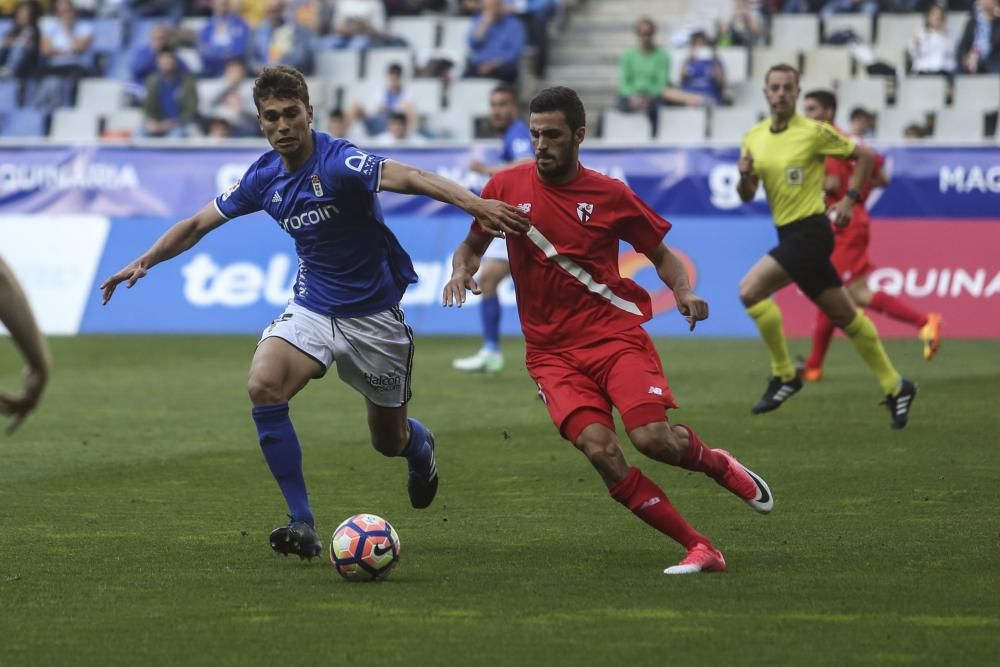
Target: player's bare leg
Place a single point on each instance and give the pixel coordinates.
(838, 306)
(277, 373)
(393, 434)
(762, 280)
(928, 324)
(678, 445)
(489, 358)
(645, 499)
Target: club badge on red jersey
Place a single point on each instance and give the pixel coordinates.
(584, 211)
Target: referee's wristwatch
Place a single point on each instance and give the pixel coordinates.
(854, 195)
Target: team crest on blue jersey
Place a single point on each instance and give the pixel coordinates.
(584, 211)
(231, 190)
(317, 186)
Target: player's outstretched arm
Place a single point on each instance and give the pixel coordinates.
(182, 236)
(16, 315)
(862, 172)
(496, 217)
(464, 265)
(675, 276)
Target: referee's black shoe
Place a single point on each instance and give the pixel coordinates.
(900, 404)
(777, 392)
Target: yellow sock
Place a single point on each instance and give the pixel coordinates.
(767, 316)
(864, 337)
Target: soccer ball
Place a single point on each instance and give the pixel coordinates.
(364, 547)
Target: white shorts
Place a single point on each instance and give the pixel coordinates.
(497, 250)
(374, 353)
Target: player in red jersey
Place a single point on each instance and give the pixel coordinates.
(850, 253)
(586, 349)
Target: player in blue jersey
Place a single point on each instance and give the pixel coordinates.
(516, 150)
(352, 275)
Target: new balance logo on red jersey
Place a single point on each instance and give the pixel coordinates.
(656, 390)
(525, 207)
(584, 211)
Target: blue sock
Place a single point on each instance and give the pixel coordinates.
(489, 309)
(417, 451)
(283, 454)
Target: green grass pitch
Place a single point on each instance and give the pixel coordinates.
(135, 507)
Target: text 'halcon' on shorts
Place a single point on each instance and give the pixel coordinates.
(803, 251)
(373, 353)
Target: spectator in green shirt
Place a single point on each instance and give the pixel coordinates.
(644, 76)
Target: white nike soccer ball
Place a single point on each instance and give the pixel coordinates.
(364, 547)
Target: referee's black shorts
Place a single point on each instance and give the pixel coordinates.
(803, 250)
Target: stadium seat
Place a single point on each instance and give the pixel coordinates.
(5, 25)
(426, 95)
(123, 120)
(420, 32)
(736, 61)
(891, 55)
(980, 92)
(100, 95)
(453, 124)
(193, 24)
(454, 39)
(958, 125)
(140, 29)
(895, 31)
(859, 24)
(730, 124)
(342, 66)
(762, 59)
(681, 126)
(891, 122)
(622, 126)
(921, 92)
(818, 82)
(319, 93)
(369, 93)
(471, 96)
(73, 124)
(749, 95)
(794, 31)
(867, 92)
(24, 123)
(831, 61)
(377, 61)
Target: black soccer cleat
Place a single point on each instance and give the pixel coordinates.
(298, 538)
(777, 392)
(422, 485)
(900, 404)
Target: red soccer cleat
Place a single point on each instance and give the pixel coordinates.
(701, 558)
(745, 483)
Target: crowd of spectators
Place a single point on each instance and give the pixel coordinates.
(47, 46)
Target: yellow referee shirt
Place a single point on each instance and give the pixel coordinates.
(790, 163)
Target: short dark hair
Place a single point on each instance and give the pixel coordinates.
(782, 67)
(645, 20)
(826, 99)
(336, 113)
(395, 68)
(561, 98)
(505, 89)
(860, 111)
(280, 81)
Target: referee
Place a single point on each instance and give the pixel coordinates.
(787, 152)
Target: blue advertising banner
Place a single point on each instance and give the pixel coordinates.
(172, 182)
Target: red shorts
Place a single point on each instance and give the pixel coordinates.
(850, 251)
(580, 386)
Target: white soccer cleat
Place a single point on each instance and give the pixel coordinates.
(746, 484)
(482, 361)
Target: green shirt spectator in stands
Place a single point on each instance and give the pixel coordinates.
(644, 69)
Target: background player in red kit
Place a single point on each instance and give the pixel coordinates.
(581, 320)
(850, 252)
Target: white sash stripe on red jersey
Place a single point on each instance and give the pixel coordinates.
(580, 273)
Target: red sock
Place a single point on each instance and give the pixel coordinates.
(700, 458)
(648, 502)
(822, 334)
(896, 309)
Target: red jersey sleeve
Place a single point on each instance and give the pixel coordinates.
(637, 224)
(489, 192)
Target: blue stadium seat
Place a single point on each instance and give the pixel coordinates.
(27, 123)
